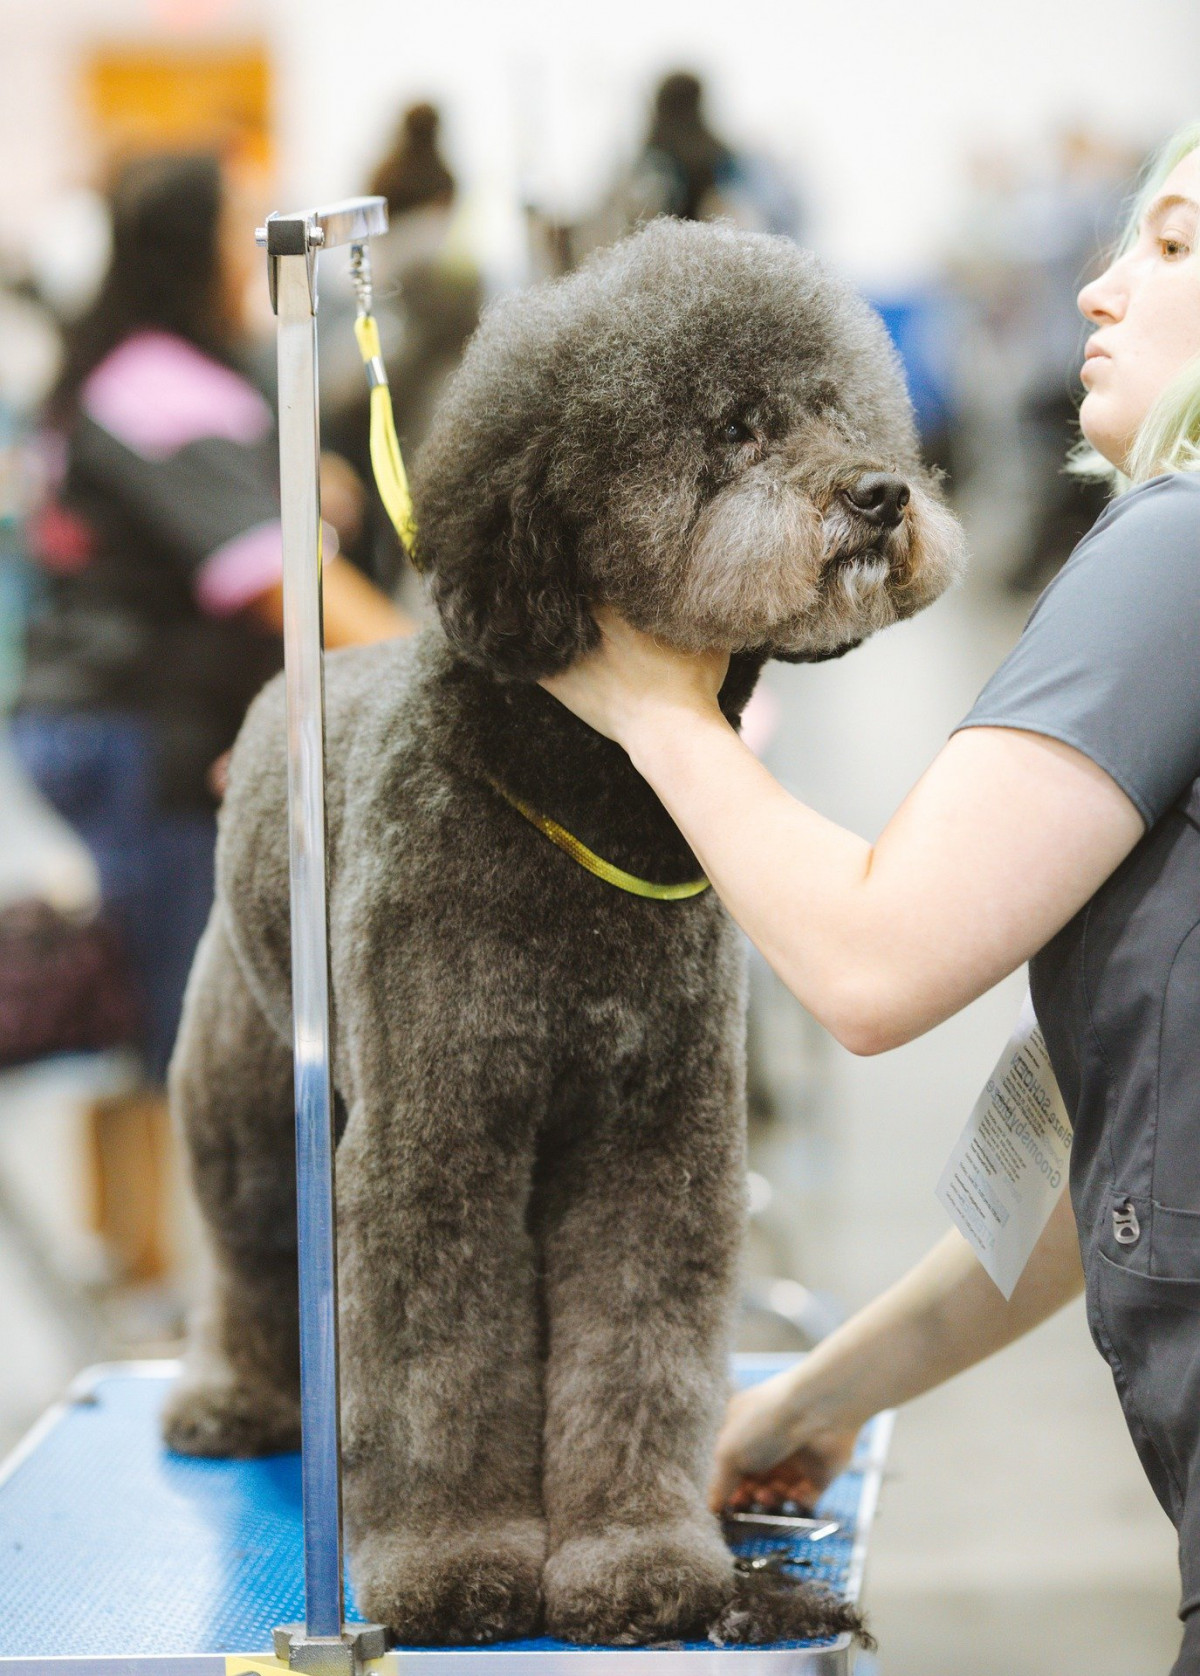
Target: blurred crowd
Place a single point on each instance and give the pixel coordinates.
(140, 597)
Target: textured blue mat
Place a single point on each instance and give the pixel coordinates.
(111, 1546)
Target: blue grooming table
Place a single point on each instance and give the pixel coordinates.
(120, 1559)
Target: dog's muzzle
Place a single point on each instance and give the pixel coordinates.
(878, 498)
(865, 528)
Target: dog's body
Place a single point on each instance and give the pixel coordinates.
(541, 1176)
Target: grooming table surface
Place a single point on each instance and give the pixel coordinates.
(117, 1557)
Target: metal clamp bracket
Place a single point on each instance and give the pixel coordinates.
(327, 1655)
(305, 232)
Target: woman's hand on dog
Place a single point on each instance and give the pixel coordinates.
(779, 1443)
(631, 682)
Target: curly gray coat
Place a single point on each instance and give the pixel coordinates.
(541, 1174)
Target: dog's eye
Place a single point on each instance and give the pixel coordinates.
(735, 432)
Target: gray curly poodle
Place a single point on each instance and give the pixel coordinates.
(540, 1076)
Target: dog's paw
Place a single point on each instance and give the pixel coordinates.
(220, 1417)
(766, 1609)
(629, 1585)
(453, 1586)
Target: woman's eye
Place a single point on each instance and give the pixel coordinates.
(735, 431)
(1173, 247)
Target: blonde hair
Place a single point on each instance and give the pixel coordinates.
(1168, 438)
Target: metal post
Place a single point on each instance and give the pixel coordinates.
(322, 1643)
(299, 450)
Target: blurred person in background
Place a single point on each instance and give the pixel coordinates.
(428, 294)
(30, 350)
(683, 168)
(422, 270)
(1060, 825)
(687, 170)
(683, 165)
(159, 610)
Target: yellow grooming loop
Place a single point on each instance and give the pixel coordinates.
(596, 864)
(391, 479)
(387, 464)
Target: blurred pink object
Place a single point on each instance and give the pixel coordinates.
(760, 719)
(240, 570)
(156, 394)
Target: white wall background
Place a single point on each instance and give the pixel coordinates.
(876, 104)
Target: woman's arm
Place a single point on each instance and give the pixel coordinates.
(1003, 839)
(792, 1434)
(356, 612)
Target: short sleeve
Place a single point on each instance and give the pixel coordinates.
(1109, 661)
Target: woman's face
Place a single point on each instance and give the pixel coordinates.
(1146, 310)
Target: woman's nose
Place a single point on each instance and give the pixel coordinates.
(1103, 299)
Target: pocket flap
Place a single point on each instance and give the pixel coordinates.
(1139, 1292)
(1189, 803)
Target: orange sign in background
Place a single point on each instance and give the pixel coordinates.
(165, 99)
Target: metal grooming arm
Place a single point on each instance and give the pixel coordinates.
(322, 1644)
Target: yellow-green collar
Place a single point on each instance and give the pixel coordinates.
(596, 864)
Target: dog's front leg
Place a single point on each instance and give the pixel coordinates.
(641, 1230)
(231, 1097)
(442, 1390)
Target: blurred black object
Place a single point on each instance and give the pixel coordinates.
(65, 985)
(1065, 507)
(692, 159)
(414, 174)
(682, 168)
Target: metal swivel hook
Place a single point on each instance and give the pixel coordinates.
(360, 278)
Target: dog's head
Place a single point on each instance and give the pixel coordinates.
(702, 428)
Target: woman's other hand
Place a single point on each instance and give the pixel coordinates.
(775, 1447)
(343, 498)
(631, 680)
(788, 1437)
(356, 612)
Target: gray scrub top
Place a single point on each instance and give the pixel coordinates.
(1110, 659)
(1110, 663)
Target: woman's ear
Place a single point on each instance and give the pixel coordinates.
(505, 572)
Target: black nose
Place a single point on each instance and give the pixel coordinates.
(880, 498)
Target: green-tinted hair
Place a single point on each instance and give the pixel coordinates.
(1168, 439)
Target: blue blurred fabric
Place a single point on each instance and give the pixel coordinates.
(922, 324)
(98, 770)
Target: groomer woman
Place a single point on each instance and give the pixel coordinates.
(1061, 826)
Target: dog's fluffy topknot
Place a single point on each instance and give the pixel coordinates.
(580, 441)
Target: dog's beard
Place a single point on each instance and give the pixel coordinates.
(767, 567)
(754, 558)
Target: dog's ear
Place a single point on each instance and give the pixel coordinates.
(741, 678)
(505, 571)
